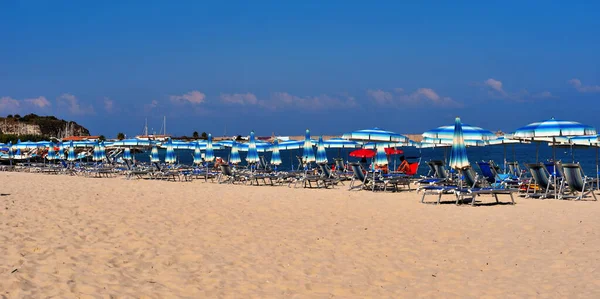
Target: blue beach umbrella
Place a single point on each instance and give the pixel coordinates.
(308, 155)
(154, 155)
(170, 155)
(102, 154)
(197, 154)
(340, 143)
(321, 153)
(376, 135)
(71, 156)
(275, 157)
(127, 154)
(252, 156)
(209, 155)
(235, 154)
(60, 155)
(458, 154)
(380, 156)
(446, 133)
(51, 153)
(96, 156)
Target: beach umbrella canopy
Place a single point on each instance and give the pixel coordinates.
(61, 151)
(380, 156)
(393, 151)
(235, 154)
(252, 156)
(154, 155)
(290, 144)
(308, 155)
(458, 154)
(377, 135)
(197, 154)
(340, 143)
(469, 133)
(275, 156)
(71, 155)
(132, 143)
(260, 146)
(363, 153)
(552, 128)
(127, 154)
(102, 155)
(321, 153)
(209, 154)
(441, 142)
(51, 153)
(170, 155)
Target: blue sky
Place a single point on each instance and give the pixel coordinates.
(276, 66)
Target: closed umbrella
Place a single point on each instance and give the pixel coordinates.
(308, 155)
(71, 156)
(458, 154)
(127, 154)
(197, 154)
(61, 151)
(275, 157)
(96, 156)
(252, 156)
(102, 155)
(170, 155)
(235, 154)
(154, 155)
(380, 156)
(321, 153)
(51, 153)
(209, 155)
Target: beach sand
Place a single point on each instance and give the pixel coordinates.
(73, 237)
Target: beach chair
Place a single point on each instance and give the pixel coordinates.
(228, 176)
(437, 174)
(542, 180)
(327, 174)
(262, 164)
(576, 181)
(514, 169)
(372, 181)
(476, 187)
(490, 172)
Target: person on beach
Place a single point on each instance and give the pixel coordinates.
(404, 165)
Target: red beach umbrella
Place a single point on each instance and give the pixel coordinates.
(393, 151)
(363, 153)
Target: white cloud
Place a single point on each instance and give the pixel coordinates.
(151, 105)
(39, 102)
(495, 86)
(193, 97)
(283, 99)
(239, 98)
(576, 83)
(9, 105)
(109, 105)
(72, 103)
(422, 96)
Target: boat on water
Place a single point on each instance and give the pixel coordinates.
(155, 137)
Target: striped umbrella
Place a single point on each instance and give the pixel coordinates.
(380, 156)
(376, 134)
(321, 153)
(458, 154)
(197, 154)
(170, 155)
(235, 154)
(102, 154)
(71, 156)
(51, 153)
(252, 156)
(308, 155)
(469, 133)
(209, 155)
(340, 143)
(275, 157)
(61, 151)
(96, 156)
(154, 155)
(127, 154)
(552, 128)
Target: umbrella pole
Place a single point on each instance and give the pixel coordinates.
(554, 168)
(505, 158)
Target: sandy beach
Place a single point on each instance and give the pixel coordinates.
(74, 237)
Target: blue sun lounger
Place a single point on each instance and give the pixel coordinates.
(477, 188)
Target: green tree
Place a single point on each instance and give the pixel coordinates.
(101, 138)
(10, 116)
(238, 138)
(17, 116)
(204, 135)
(195, 135)
(120, 136)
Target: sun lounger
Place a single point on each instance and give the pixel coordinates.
(475, 188)
(576, 182)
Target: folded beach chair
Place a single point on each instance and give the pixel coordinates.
(576, 181)
(514, 169)
(475, 188)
